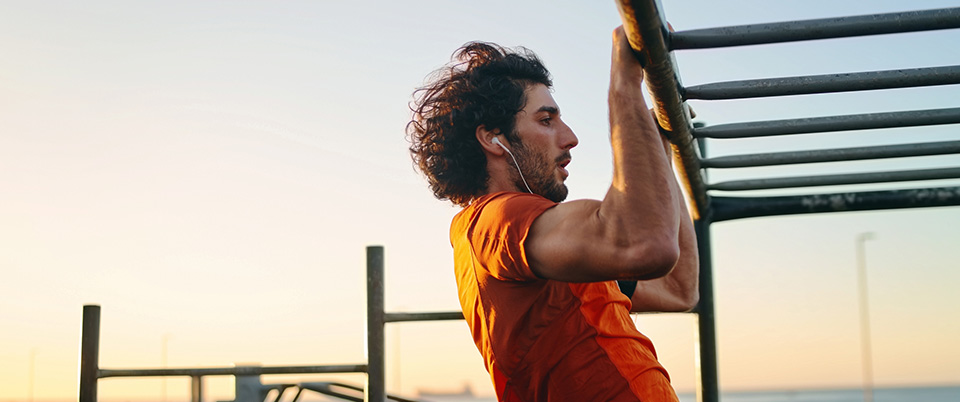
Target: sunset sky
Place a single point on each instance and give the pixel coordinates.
(210, 173)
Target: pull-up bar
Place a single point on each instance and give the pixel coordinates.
(727, 208)
(834, 155)
(647, 33)
(815, 84)
(837, 179)
(865, 121)
(824, 28)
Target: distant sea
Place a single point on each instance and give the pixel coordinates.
(906, 394)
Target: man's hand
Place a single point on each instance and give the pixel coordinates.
(632, 233)
(626, 74)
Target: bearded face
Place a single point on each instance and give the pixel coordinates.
(540, 172)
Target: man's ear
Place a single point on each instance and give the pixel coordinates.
(485, 138)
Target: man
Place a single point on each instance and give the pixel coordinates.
(537, 276)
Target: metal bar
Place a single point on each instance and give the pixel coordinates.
(730, 208)
(376, 361)
(831, 123)
(235, 371)
(839, 179)
(439, 316)
(646, 30)
(196, 388)
(708, 383)
(834, 155)
(824, 28)
(814, 84)
(89, 353)
(327, 388)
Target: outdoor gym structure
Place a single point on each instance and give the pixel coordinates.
(653, 42)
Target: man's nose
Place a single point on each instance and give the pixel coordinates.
(570, 139)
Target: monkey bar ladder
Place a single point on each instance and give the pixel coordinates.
(653, 43)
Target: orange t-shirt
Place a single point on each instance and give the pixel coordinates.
(545, 340)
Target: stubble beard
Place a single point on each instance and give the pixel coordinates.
(540, 173)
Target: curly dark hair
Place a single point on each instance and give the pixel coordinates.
(484, 84)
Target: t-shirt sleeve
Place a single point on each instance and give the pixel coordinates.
(500, 229)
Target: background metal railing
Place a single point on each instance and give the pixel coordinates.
(247, 386)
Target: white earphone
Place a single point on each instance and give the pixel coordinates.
(496, 140)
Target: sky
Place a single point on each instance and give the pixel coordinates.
(210, 173)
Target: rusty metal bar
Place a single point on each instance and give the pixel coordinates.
(90, 353)
(834, 155)
(838, 179)
(818, 84)
(729, 208)
(824, 28)
(866, 121)
(647, 32)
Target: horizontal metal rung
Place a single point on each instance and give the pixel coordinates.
(834, 155)
(836, 180)
(825, 28)
(237, 370)
(399, 317)
(864, 81)
(727, 208)
(867, 121)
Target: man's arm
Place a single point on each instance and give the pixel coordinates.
(679, 290)
(633, 233)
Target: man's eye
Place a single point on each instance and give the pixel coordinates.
(546, 122)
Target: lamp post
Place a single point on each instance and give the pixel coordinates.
(866, 350)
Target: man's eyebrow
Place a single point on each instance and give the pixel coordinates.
(548, 109)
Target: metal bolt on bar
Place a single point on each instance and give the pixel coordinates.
(839, 179)
(816, 84)
(867, 121)
(824, 28)
(834, 155)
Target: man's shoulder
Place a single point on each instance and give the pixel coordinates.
(508, 203)
(491, 212)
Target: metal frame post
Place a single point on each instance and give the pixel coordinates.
(196, 388)
(90, 353)
(376, 365)
(708, 383)
(247, 386)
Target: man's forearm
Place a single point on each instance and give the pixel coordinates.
(679, 290)
(640, 205)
